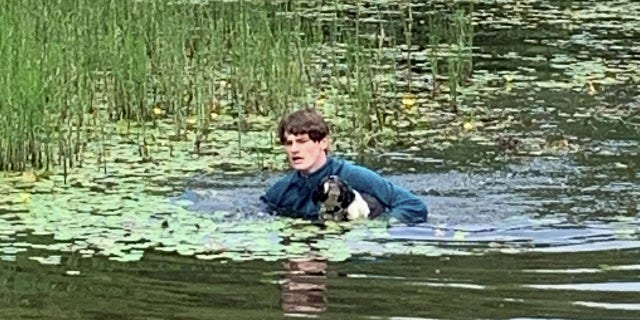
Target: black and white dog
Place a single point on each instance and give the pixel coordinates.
(340, 202)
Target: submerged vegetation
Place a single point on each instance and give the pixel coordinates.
(76, 73)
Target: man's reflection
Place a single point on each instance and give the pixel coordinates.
(304, 285)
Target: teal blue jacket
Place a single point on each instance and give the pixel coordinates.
(291, 195)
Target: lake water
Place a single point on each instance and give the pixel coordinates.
(546, 230)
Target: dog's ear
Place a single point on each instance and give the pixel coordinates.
(318, 195)
(347, 195)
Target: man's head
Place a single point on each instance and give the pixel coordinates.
(305, 136)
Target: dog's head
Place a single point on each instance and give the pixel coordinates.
(333, 192)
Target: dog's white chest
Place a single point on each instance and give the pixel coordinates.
(358, 209)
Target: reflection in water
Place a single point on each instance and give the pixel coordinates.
(534, 285)
(304, 286)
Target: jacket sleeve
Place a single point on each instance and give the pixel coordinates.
(402, 204)
(272, 197)
(281, 199)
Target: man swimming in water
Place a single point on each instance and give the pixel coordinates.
(305, 136)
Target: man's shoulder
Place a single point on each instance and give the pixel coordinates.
(338, 163)
(350, 167)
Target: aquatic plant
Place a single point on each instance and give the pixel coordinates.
(154, 73)
(138, 64)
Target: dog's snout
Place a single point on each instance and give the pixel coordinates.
(333, 178)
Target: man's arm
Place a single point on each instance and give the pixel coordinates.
(280, 202)
(270, 197)
(273, 196)
(403, 205)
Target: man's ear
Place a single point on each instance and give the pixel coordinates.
(324, 143)
(318, 194)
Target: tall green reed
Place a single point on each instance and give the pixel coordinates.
(459, 59)
(455, 31)
(127, 57)
(356, 59)
(140, 63)
(22, 100)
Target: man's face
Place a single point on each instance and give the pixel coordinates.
(305, 155)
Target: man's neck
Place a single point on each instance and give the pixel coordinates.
(320, 163)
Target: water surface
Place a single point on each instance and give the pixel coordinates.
(534, 213)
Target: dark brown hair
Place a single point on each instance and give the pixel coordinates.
(303, 121)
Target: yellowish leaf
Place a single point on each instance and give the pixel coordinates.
(25, 197)
(408, 101)
(191, 120)
(591, 88)
(468, 126)
(158, 112)
(29, 176)
(508, 87)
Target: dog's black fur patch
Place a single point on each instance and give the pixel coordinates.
(336, 195)
(318, 194)
(374, 204)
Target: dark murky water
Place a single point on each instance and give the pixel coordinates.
(534, 285)
(549, 230)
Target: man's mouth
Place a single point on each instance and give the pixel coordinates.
(296, 159)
